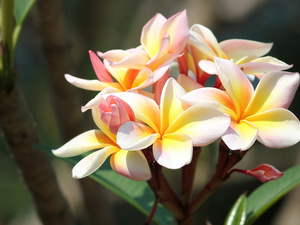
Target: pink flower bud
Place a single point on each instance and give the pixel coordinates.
(265, 172)
(115, 112)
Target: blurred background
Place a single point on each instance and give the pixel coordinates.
(104, 25)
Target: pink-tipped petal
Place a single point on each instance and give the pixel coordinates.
(237, 48)
(163, 50)
(134, 60)
(92, 162)
(275, 90)
(188, 83)
(99, 98)
(278, 128)
(92, 85)
(209, 38)
(131, 164)
(240, 136)
(178, 28)
(265, 173)
(99, 68)
(173, 151)
(203, 123)
(113, 55)
(160, 85)
(144, 108)
(150, 38)
(84, 142)
(135, 136)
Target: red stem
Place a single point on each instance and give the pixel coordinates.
(153, 210)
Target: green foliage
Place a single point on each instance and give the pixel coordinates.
(21, 9)
(136, 193)
(267, 194)
(238, 212)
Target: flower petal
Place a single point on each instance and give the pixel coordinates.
(240, 136)
(93, 85)
(178, 28)
(84, 142)
(135, 60)
(150, 38)
(92, 162)
(188, 83)
(170, 104)
(235, 83)
(237, 48)
(99, 68)
(208, 66)
(275, 90)
(113, 55)
(135, 136)
(94, 102)
(209, 38)
(144, 108)
(278, 128)
(173, 151)
(265, 173)
(203, 123)
(213, 97)
(132, 165)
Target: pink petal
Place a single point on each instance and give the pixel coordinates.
(240, 136)
(135, 136)
(173, 151)
(237, 48)
(261, 67)
(87, 141)
(150, 38)
(188, 83)
(144, 108)
(265, 172)
(92, 162)
(278, 128)
(132, 165)
(275, 90)
(159, 86)
(208, 37)
(178, 28)
(99, 68)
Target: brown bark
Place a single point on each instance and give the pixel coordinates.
(66, 98)
(19, 133)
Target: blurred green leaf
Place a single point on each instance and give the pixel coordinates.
(238, 212)
(136, 193)
(267, 194)
(21, 9)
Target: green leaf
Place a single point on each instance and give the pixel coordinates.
(238, 212)
(21, 9)
(136, 193)
(267, 194)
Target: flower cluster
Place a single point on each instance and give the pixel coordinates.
(182, 112)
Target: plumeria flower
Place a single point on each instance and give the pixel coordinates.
(131, 164)
(162, 41)
(126, 79)
(261, 114)
(173, 128)
(245, 53)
